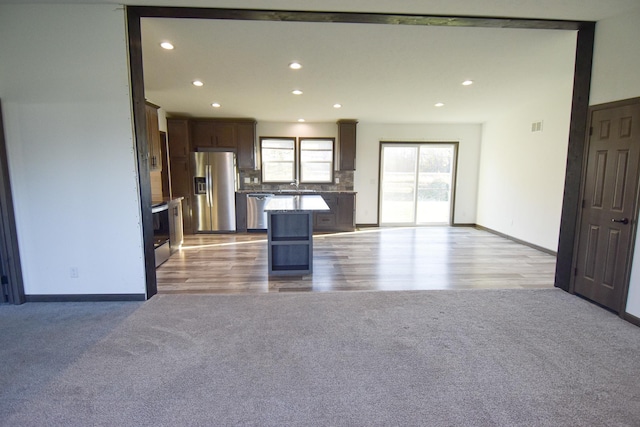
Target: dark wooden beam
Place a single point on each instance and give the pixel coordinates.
(354, 18)
(137, 93)
(575, 156)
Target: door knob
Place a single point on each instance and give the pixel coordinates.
(622, 221)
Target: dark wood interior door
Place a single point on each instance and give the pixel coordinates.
(609, 205)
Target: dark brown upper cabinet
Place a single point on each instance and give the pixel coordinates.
(153, 137)
(203, 134)
(212, 134)
(233, 134)
(347, 141)
(178, 134)
(224, 135)
(246, 138)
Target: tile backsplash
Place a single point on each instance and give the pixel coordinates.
(345, 183)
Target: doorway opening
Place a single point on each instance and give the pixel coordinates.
(417, 182)
(582, 77)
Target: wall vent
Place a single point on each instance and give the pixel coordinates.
(536, 126)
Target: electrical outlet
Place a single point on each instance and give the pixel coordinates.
(247, 180)
(337, 180)
(255, 180)
(73, 272)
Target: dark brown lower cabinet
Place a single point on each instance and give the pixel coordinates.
(346, 212)
(326, 221)
(341, 216)
(241, 212)
(176, 230)
(181, 187)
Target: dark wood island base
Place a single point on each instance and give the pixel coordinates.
(290, 233)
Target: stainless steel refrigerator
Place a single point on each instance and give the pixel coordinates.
(214, 187)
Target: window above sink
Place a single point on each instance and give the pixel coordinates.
(316, 160)
(278, 160)
(297, 160)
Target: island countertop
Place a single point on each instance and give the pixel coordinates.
(292, 192)
(296, 203)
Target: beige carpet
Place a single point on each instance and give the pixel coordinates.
(428, 358)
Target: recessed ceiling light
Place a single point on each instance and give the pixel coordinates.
(295, 65)
(296, 92)
(166, 45)
(337, 105)
(439, 104)
(467, 83)
(301, 120)
(215, 105)
(197, 83)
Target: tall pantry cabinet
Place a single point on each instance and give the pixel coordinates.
(153, 137)
(178, 134)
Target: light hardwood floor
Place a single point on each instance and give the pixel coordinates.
(370, 259)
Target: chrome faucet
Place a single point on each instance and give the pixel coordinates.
(296, 183)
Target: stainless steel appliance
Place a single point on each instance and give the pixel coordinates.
(256, 216)
(214, 188)
(161, 233)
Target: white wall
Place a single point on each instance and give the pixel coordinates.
(522, 172)
(309, 130)
(615, 77)
(65, 92)
(616, 59)
(368, 137)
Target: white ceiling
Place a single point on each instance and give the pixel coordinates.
(380, 73)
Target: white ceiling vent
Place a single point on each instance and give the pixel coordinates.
(536, 126)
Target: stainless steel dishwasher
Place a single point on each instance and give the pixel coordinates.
(256, 216)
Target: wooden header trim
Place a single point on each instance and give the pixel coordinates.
(354, 18)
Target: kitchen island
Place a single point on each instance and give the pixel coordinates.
(339, 217)
(290, 233)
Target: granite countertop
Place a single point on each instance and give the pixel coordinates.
(311, 202)
(164, 201)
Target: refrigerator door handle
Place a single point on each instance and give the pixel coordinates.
(208, 184)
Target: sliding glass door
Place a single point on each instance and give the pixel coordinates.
(416, 183)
